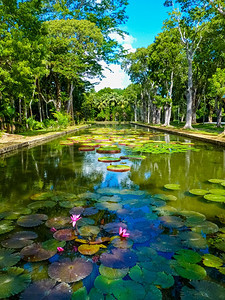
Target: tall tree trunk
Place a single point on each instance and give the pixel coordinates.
(58, 104)
(210, 118)
(135, 110)
(195, 105)
(218, 113)
(189, 91)
(153, 114)
(158, 115)
(25, 112)
(70, 109)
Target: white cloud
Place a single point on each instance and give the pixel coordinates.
(116, 78)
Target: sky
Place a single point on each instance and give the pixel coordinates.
(145, 22)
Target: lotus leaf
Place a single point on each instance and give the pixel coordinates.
(190, 271)
(128, 289)
(111, 273)
(105, 285)
(13, 281)
(109, 159)
(6, 226)
(95, 294)
(88, 249)
(118, 258)
(172, 186)
(216, 180)
(35, 252)
(118, 168)
(122, 243)
(53, 244)
(47, 289)
(31, 220)
(165, 197)
(206, 227)
(80, 294)
(164, 280)
(203, 290)
(58, 222)
(187, 256)
(136, 274)
(198, 192)
(41, 204)
(153, 293)
(65, 235)
(70, 271)
(89, 230)
(8, 258)
(172, 221)
(213, 261)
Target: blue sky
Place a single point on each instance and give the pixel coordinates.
(145, 22)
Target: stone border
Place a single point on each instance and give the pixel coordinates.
(210, 139)
(38, 140)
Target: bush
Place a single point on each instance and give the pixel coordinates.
(62, 119)
(33, 124)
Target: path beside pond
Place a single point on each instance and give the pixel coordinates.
(205, 137)
(12, 142)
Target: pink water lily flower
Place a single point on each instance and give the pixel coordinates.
(74, 219)
(123, 232)
(53, 229)
(60, 249)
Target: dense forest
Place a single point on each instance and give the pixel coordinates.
(51, 52)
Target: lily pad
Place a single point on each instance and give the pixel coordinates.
(58, 222)
(109, 159)
(13, 281)
(165, 197)
(86, 249)
(35, 252)
(206, 227)
(118, 168)
(128, 289)
(198, 192)
(41, 204)
(70, 271)
(187, 256)
(87, 149)
(38, 271)
(19, 239)
(42, 196)
(216, 180)
(166, 243)
(118, 258)
(105, 284)
(190, 271)
(6, 226)
(122, 243)
(47, 289)
(172, 221)
(172, 186)
(213, 261)
(31, 220)
(220, 192)
(8, 258)
(164, 280)
(203, 290)
(111, 273)
(53, 244)
(89, 230)
(108, 149)
(65, 235)
(15, 214)
(193, 240)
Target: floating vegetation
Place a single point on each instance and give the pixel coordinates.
(214, 198)
(32, 220)
(36, 252)
(8, 258)
(108, 149)
(109, 159)
(172, 186)
(19, 239)
(198, 192)
(6, 226)
(118, 168)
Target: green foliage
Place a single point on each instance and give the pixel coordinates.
(63, 119)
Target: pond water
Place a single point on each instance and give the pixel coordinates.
(155, 231)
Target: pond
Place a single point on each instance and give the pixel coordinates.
(113, 213)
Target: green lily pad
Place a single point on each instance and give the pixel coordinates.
(173, 187)
(128, 289)
(213, 261)
(42, 196)
(220, 192)
(164, 280)
(35, 252)
(118, 168)
(187, 256)
(122, 243)
(136, 274)
(111, 273)
(172, 221)
(119, 258)
(70, 271)
(32, 220)
(58, 222)
(52, 244)
(206, 227)
(192, 217)
(153, 293)
(80, 294)
(38, 271)
(109, 159)
(216, 180)
(193, 240)
(105, 284)
(89, 230)
(8, 258)
(6, 226)
(13, 281)
(166, 243)
(95, 294)
(190, 271)
(214, 198)
(165, 197)
(15, 214)
(41, 204)
(198, 192)
(203, 290)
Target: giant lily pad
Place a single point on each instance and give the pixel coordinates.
(31, 220)
(8, 258)
(118, 168)
(64, 235)
(111, 273)
(58, 222)
(109, 159)
(35, 252)
(203, 290)
(6, 226)
(172, 186)
(87, 149)
(118, 259)
(13, 281)
(70, 271)
(108, 149)
(47, 289)
(88, 249)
